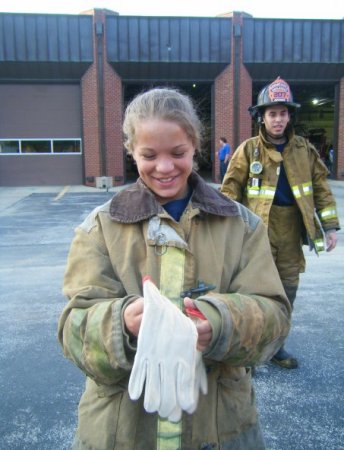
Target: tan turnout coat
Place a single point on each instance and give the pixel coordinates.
(307, 176)
(217, 241)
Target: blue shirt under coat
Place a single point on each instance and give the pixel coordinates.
(175, 208)
(283, 195)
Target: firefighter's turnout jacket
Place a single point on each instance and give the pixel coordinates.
(217, 241)
(307, 176)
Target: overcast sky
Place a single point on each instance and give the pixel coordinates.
(293, 9)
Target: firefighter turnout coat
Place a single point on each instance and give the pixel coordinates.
(218, 242)
(307, 176)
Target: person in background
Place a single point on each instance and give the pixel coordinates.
(280, 177)
(203, 252)
(223, 156)
(330, 159)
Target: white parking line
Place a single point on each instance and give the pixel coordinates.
(62, 193)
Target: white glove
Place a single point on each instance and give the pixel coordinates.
(201, 381)
(166, 358)
(200, 384)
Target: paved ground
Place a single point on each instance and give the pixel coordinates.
(39, 389)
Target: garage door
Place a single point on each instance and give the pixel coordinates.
(40, 135)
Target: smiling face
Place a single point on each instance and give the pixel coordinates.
(164, 156)
(276, 119)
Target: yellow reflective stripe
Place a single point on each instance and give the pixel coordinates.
(253, 191)
(319, 245)
(267, 192)
(328, 213)
(262, 192)
(169, 434)
(307, 188)
(172, 274)
(296, 191)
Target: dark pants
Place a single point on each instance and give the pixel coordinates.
(223, 169)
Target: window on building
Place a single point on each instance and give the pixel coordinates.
(40, 146)
(9, 147)
(36, 146)
(70, 146)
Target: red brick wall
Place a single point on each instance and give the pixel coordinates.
(113, 108)
(91, 118)
(226, 114)
(340, 144)
(244, 84)
(245, 101)
(223, 115)
(90, 124)
(112, 126)
(113, 116)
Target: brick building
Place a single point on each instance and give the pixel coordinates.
(65, 81)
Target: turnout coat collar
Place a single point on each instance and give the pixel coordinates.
(138, 203)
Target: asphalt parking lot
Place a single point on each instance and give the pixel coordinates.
(39, 390)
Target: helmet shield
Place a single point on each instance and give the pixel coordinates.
(276, 93)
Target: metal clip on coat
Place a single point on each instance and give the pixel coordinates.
(202, 288)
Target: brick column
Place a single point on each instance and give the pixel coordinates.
(223, 115)
(102, 111)
(242, 84)
(90, 125)
(92, 119)
(233, 96)
(113, 117)
(245, 101)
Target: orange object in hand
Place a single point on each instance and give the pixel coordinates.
(195, 314)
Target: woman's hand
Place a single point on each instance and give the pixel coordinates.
(204, 329)
(133, 316)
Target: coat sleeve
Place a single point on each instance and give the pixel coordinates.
(90, 329)
(324, 201)
(235, 179)
(254, 317)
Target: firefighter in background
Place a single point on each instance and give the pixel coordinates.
(281, 178)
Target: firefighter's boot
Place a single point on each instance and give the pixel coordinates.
(282, 358)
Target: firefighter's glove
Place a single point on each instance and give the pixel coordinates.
(200, 384)
(166, 358)
(201, 381)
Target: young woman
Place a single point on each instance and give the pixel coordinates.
(203, 251)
